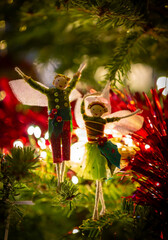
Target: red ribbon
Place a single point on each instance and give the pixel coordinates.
(102, 140)
(59, 119)
(53, 112)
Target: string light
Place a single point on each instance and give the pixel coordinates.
(18, 143)
(74, 179)
(81, 134)
(162, 82)
(30, 130)
(147, 146)
(77, 152)
(2, 95)
(118, 145)
(41, 143)
(2, 25)
(3, 45)
(10, 1)
(46, 136)
(128, 141)
(75, 230)
(37, 132)
(43, 154)
(23, 28)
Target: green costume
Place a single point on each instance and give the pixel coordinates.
(59, 117)
(99, 153)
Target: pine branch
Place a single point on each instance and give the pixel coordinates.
(121, 61)
(21, 161)
(67, 194)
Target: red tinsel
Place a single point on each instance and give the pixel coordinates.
(150, 164)
(15, 118)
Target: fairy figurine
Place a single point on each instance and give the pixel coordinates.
(59, 113)
(98, 156)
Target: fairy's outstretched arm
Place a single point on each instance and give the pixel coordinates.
(31, 82)
(115, 119)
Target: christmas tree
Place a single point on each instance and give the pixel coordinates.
(110, 36)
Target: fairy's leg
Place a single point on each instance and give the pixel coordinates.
(62, 171)
(103, 210)
(58, 166)
(97, 195)
(66, 145)
(56, 152)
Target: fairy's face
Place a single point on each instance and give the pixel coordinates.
(60, 83)
(97, 110)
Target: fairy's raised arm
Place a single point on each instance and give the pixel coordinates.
(76, 77)
(19, 71)
(34, 84)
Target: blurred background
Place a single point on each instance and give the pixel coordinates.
(125, 42)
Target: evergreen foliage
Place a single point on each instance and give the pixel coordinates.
(20, 162)
(15, 167)
(106, 33)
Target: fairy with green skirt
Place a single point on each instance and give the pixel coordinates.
(100, 154)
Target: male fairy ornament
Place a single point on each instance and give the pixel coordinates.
(59, 111)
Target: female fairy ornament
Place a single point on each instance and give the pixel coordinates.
(59, 113)
(100, 154)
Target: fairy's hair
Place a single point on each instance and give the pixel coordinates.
(61, 75)
(98, 103)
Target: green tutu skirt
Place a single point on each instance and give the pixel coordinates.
(94, 165)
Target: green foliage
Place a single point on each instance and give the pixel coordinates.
(105, 33)
(68, 190)
(120, 64)
(130, 222)
(15, 167)
(21, 162)
(66, 195)
(56, 212)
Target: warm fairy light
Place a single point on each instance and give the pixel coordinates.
(18, 143)
(46, 136)
(75, 230)
(41, 143)
(140, 77)
(132, 102)
(10, 1)
(2, 24)
(162, 82)
(77, 152)
(119, 145)
(43, 154)
(3, 45)
(37, 132)
(147, 146)
(115, 133)
(128, 141)
(81, 134)
(30, 130)
(157, 184)
(2, 95)
(74, 179)
(100, 73)
(23, 28)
